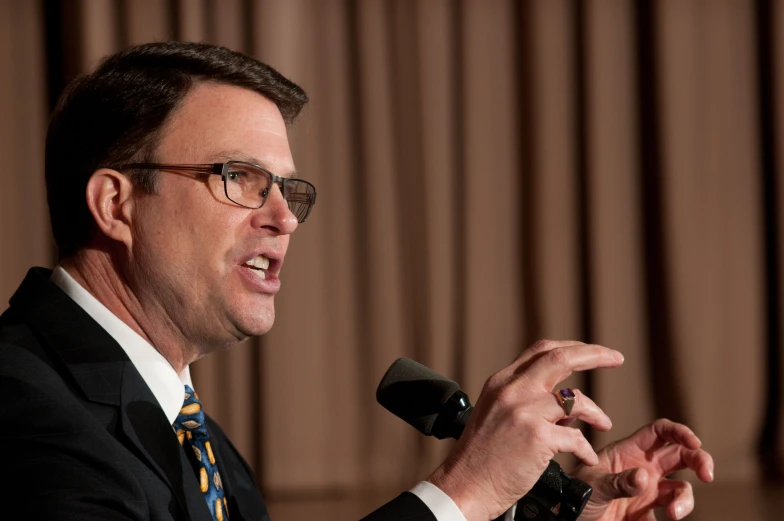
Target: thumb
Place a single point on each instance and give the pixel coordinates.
(628, 483)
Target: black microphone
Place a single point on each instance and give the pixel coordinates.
(431, 403)
(435, 406)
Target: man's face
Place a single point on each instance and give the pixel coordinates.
(195, 255)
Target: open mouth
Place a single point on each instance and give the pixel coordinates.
(258, 265)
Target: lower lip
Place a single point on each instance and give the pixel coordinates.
(270, 285)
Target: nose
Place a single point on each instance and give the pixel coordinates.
(275, 214)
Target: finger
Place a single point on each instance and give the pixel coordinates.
(661, 432)
(542, 346)
(545, 345)
(568, 440)
(524, 360)
(557, 364)
(566, 422)
(677, 496)
(629, 483)
(675, 457)
(584, 409)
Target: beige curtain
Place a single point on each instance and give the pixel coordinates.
(490, 172)
(24, 221)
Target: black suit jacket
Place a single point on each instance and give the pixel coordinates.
(83, 437)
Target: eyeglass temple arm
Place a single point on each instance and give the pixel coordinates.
(212, 168)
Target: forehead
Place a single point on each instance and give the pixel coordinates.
(215, 118)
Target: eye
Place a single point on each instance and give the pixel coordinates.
(237, 176)
(265, 192)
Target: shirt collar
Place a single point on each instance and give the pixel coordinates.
(164, 382)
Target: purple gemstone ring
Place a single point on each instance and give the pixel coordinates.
(566, 398)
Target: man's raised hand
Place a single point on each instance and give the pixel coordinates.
(518, 426)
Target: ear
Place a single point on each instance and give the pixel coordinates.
(109, 198)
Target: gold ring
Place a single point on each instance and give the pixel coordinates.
(566, 399)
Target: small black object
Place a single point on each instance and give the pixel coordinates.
(436, 406)
(554, 488)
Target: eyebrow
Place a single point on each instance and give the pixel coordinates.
(237, 155)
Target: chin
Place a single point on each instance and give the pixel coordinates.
(257, 324)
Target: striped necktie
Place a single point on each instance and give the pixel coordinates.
(193, 435)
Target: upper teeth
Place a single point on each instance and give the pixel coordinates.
(260, 261)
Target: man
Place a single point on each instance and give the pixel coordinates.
(173, 196)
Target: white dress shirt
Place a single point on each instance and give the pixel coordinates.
(168, 387)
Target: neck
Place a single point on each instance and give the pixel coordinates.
(101, 276)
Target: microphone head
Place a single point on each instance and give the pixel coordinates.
(415, 393)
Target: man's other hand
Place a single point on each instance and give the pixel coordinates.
(630, 479)
(518, 425)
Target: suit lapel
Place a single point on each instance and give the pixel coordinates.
(89, 355)
(102, 370)
(242, 491)
(146, 426)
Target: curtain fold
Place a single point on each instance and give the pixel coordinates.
(489, 173)
(614, 192)
(711, 220)
(24, 226)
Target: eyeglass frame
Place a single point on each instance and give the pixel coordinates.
(222, 169)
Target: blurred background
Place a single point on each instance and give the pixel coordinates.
(490, 172)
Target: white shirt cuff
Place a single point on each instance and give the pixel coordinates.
(440, 504)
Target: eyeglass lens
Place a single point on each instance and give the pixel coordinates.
(249, 186)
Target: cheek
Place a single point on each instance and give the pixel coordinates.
(178, 237)
(189, 238)
(160, 248)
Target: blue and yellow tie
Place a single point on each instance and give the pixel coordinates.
(192, 433)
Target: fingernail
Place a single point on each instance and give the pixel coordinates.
(618, 356)
(710, 473)
(678, 511)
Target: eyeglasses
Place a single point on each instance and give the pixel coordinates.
(249, 185)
